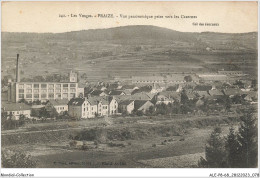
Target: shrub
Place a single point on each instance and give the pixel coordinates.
(17, 160)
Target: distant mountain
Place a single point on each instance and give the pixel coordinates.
(139, 33)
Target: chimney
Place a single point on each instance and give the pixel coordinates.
(17, 69)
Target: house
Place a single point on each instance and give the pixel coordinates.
(142, 105)
(156, 88)
(75, 107)
(251, 96)
(231, 92)
(176, 96)
(113, 105)
(159, 99)
(91, 107)
(14, 110)
(97, 106)
(191, 95)
(60, 105)
(126, 106)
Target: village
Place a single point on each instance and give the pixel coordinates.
(178, 93)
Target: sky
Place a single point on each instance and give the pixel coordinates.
(41, 17)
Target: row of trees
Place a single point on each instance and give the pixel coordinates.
(237, 150)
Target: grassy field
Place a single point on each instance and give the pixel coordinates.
(117, 142)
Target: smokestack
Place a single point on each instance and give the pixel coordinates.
(17, 69)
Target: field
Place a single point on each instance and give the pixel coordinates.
(176, 141)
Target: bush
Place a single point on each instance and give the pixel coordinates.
(17, 160)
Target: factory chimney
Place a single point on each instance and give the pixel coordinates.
(17, 69)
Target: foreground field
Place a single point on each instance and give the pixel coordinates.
(136, 142)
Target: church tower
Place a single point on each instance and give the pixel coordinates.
(73, 77)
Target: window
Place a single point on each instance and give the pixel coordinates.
(65, 95)
(43, 95)
(51, 86)
(21, 96)
(51, 95)
(43, 85)
(51, 91)
(65, 85)
(21, 90)
(36, 90)
(28, 85)
(72, 90)
(28, 90)
(58, 95)
(92, 108)
(21, 86)
(58, 85)
(35, 85)
(28, 95)
(72, 95)
(36, 95)
(65, 90)
(72, 85)
(43, 90)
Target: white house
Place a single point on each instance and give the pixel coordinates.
(14, 110)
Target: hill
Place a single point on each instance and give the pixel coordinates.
(126, 51)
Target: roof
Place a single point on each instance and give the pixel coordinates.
(203, 93)
(139, 103)
(15, 106)
(126, 102)
(172, 88)
(115, 92)
(171, 94)
(76, 101)
(203, 88)
(37, 106)
(58, 102)
(232, 91)
(94, 100)
(128, 87)
(142, 96)
(213, 77)
(215, 92)
(147, 78)
(96, 92)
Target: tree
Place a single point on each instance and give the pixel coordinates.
(239, 150)
(247, 137)
(215, 151)
(17, 160)
(188, 78)
(232, 146)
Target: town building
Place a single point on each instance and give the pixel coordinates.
(126, 106)
(42, 91)
(14, 110)
(90, 107)
(60, 105)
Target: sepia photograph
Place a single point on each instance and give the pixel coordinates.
(129, 85)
